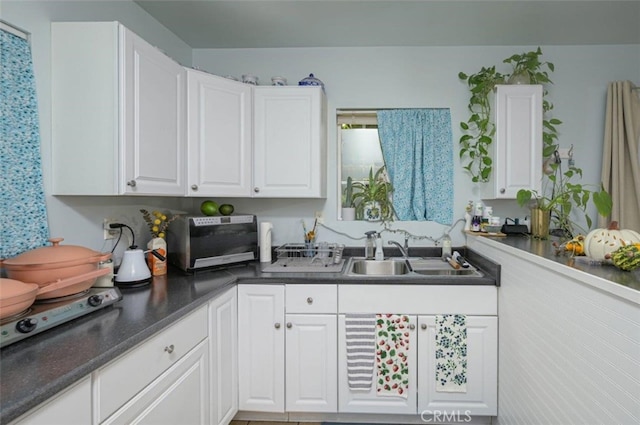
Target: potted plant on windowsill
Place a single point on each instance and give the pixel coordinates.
(348, 203)
(373, 199)
(559, 200)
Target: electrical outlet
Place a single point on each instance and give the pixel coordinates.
(109, 233)
(319, 217)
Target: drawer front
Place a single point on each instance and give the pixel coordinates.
(312, 298)
(127, 375)
(419, 299)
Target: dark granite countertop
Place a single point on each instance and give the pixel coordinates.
(36, 368)
(623, 283)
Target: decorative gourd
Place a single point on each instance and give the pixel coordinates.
(627, 257)
(600, 242)
(575, 245)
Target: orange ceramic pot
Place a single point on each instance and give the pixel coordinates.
(50, 264)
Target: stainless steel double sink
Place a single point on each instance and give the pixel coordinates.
(407, 267)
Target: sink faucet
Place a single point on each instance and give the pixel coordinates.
(404, 250)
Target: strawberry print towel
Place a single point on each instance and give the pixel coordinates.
(451, 353)
(392, 348)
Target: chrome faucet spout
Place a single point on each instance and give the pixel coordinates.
(404, 250)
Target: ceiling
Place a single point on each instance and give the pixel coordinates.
(333, 23)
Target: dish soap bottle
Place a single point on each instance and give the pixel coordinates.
(369, 245)
(446, 246)
(379, 251)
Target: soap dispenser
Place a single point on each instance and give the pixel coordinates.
(379, 251)
(370, 245)
(446, 247)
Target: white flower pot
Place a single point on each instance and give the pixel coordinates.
(348, 214)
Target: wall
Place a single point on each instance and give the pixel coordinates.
(354, 77)
(427, 77)
(568, 350)
(79, 219)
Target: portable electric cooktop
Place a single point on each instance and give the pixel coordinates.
(46, 314)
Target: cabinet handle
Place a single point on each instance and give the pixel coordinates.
(412, 326)
(423, 326)
(131, 183)
(289, 325)
(309, 300)
(194, 187)
(256, 189)
(277, 325)
(169, 349)
(503, 190)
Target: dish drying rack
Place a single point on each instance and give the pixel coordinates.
(324, 253)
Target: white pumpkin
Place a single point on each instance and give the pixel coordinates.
(600, 242)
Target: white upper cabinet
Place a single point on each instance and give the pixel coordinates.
(119, 113)
(219, 136)
(517, 145)
(289, 142)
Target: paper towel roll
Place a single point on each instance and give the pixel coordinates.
(265, 242)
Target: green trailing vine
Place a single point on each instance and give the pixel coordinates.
(479, 130)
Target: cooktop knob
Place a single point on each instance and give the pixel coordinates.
(95, 300)
(26, 325)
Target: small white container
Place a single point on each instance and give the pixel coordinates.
(278, 81)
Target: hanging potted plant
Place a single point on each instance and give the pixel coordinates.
(373, 199)
(479, 130)
(348, 203)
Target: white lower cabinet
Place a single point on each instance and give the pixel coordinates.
(311, 372)
(223, 343)
(178, 396)
(296, 350)
(163, 380)
(71, 407)
(481, 395)
(422, 304)
(261, 348)
(369, 401)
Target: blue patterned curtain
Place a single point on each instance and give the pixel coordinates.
(417, 147)
(23, 213)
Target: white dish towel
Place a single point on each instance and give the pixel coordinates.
(360, 331)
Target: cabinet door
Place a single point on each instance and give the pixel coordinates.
(289, 142)
(154, 120)
(85, 108)
(223, 338)
(261, 347)
(71, 407)
(518, 141)
(480, 397)
(179, 396)
(219, 136)
(370, 402)
(311, 353)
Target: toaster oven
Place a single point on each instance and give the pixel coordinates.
(197, 242)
